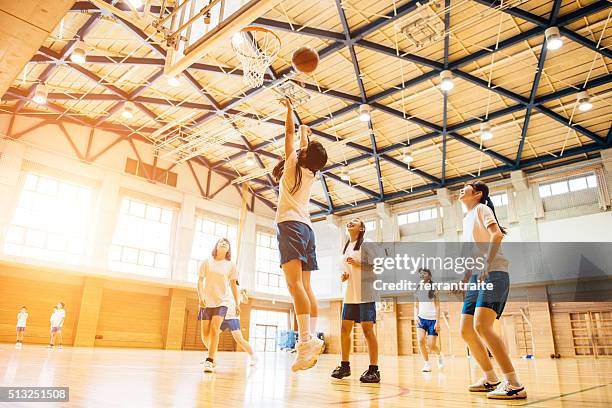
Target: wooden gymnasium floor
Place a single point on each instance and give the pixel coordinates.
(155, 378)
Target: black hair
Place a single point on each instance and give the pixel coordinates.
(486, 200)
(23, 307)
(315, 160)
(228, 255)
(431, 294)
(359, 238)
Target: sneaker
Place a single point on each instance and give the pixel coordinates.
(60, 347)
(507, 391)
(307, 354)
(370, 376)
(253, 360)
(426, 367)
(204, 362)
(17, 346)
(440, 362)
(50, 346)
(209, 367)
(483, 386)
(341, 371)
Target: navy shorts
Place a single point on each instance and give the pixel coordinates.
(491, 299)
(206, 313)
(428, 325)
(230, 324)
(296, 240)
(359, 312)
(56, 329)
(20, 329)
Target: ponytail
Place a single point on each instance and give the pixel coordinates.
(489, 203)
(486, 200)
(279, 169)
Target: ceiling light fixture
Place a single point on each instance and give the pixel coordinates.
(553, 38)
(40, 94)
(128, 110)
(79, 53)
(173, 81)
(446, 80)
(365, 112)
(485, 131)
(584, 101)
(250, 159)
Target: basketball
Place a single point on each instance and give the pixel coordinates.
(305, 60)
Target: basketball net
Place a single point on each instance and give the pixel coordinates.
(256, 48)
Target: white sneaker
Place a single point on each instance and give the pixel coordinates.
(307, 354)
(60, 347)
(253, 360)
(440, 361)
(209, 367)
(426, 367)
(507, 391)
(17, 346)
(483, 386)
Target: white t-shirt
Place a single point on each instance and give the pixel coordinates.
(475, 224)
(359, 288)
(21, 319)
(57, 318)
(217, 277)
(294, 207)
(427, 307)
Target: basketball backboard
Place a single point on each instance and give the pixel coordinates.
(194, 27)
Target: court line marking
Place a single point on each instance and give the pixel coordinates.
(564, 395)
(402, 392)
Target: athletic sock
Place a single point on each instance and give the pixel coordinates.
(209, 359)
(512, 378)
(313, 325)
(304, 326)
(373, 368)
(491, 377)
(345, 363)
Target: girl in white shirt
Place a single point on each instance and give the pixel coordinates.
(359, 302)
(427, 320)
(296, 240)
(217, 284)
(22, 318)
(57, 322)
(482, 307)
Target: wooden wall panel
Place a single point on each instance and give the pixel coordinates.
(39, 297)
(129, 319)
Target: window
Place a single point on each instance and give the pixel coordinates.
(266, 328)
(51, 220)
(417, 216)
(207, 233)
(565, 186)
(499, 200)
(370, 225)
(141, 243)
(269, 277)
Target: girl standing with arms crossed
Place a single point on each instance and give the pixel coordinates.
(482, 307)
(359, 303)
(427, 318)
(296, 240)
(217, 283)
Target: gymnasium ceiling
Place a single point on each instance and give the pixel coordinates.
(502, 73)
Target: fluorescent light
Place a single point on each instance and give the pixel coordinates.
(250, 159)
(584, 101)
(553, 38)
(407, 158)
(40, 94)
(364, 112)
(128, 110)
(485, 131)
(446, 80)
(173, 81)
(79, 53)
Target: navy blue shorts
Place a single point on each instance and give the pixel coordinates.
(206, 313)
(230, 324)
(296, 240)
(491, 299)
(428, 325)
(359, 312)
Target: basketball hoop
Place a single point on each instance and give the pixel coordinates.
(256, 48)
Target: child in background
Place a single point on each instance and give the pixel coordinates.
(57, 321)
(427, 319)
(22, 317)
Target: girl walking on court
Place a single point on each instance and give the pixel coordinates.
(57, 322)
(232, 323)
(482, 307)
(427, 319)
(22, 317)
(217, 285)
(296, 240)
(359, 302)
